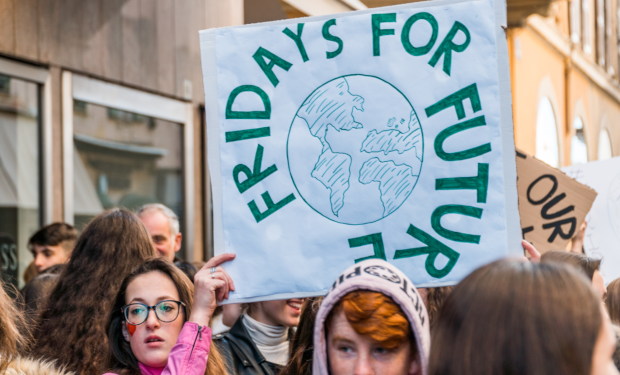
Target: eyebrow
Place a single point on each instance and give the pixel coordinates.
(140, 300)
(340, 338)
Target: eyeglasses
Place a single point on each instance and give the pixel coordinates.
(166, 311)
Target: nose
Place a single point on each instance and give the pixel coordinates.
(363, 365)
(151, 321)
(39, 262)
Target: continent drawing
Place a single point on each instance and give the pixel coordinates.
(397, 140)
(395, 182)
(331, 106)
(333, 170)
(355, 149)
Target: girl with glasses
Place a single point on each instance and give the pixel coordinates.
(159, 323)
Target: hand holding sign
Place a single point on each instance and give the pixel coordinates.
(551, 204)
(211, 284)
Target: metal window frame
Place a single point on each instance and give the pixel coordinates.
(95, 91)
(42, 77)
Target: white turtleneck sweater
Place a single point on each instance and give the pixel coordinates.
(271, 341)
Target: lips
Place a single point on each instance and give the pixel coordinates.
(153, 339)
(295, 304)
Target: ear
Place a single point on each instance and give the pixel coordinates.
(177, 241)
(125, 331)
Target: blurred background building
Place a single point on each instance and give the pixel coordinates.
(102, 105)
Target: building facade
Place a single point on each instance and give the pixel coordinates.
(101, 105)
(566, 93)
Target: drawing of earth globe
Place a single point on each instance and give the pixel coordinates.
(355, 149)
(613, 204)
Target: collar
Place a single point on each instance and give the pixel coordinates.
(264, 334)
(148, 370)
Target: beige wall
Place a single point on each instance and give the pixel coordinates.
(536, 71)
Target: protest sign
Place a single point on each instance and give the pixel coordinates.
(552, 205)
(602, 237)
(384, 133)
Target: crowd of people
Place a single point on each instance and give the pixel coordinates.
(115, 299)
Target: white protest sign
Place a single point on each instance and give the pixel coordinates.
(602, 237)
(384, 133)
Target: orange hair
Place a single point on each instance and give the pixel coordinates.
(376, 315)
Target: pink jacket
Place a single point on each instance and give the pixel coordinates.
(188, 356)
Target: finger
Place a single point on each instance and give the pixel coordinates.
(534, 254)
(219, 259)
(223, 285)
(222, 274)
(221, 292)
(231, 284)
(219, 285)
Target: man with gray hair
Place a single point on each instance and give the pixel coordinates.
(163, 226)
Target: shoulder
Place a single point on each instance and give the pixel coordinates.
(29, 366)
(221, 339)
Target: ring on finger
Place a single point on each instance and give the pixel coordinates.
(213, 270)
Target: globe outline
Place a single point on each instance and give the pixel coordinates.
(289, 136)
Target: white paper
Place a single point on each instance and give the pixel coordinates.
(603, 231)
(354, 148)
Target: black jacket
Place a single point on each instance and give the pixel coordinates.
(241, 354)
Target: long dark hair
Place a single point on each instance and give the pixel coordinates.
(518, 318)
(121, 358)
(302, 345)
(73, 327)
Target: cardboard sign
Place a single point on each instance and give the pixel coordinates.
(602, 238)
(552, 205)
(384, 133)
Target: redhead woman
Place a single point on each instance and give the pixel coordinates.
(372, 321)
(159, 323)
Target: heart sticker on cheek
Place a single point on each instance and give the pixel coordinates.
(131, 329)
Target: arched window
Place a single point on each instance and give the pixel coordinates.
(578, 148)
(547, 148)
(604, 145)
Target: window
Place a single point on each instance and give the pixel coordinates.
(600, 32)
(124, 159)
(586, 27)
(578, 148)
(547, 148)
(618, 33)
(20, 171)
(123, 147)
(604, 145)
(575, 21)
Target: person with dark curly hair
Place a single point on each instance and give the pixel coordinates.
(73, 326)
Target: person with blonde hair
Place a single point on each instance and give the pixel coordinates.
(14, 341)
